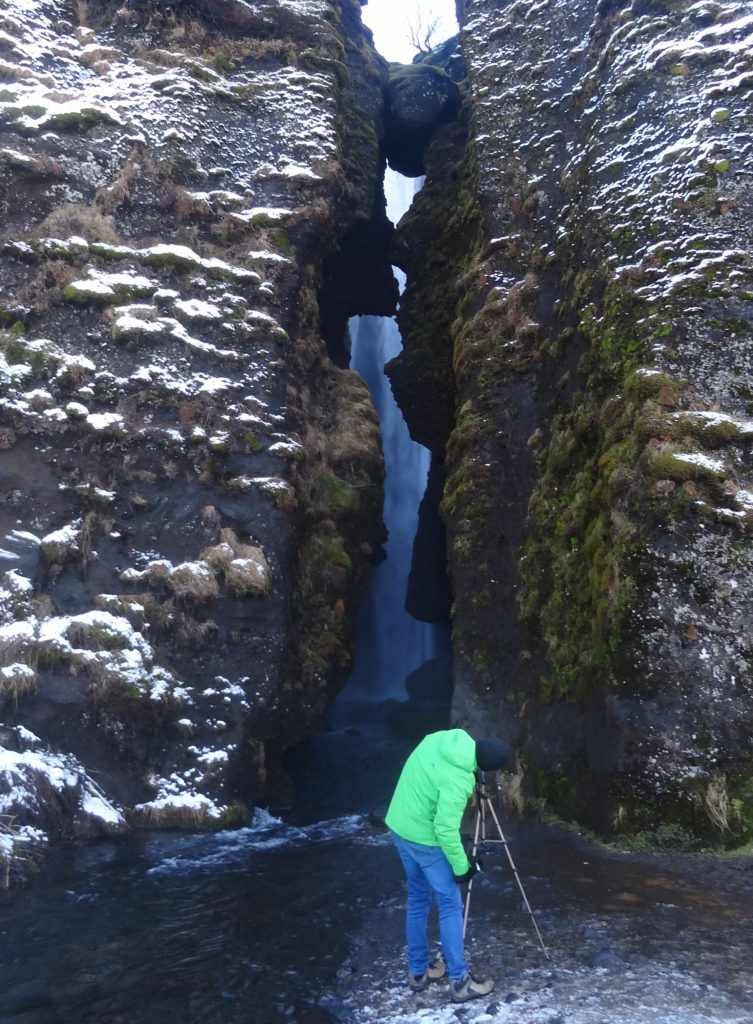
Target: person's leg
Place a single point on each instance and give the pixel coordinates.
(438, 873)
(419, 902)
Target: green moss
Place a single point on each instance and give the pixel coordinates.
(467, 491)
(669, 466)
(84, 117)
(596, 504)
(311, 59)
(85, 294)
(329, 555)
(325, 570)
(16, 351)
(222, 63)
(401, 74)
(559, 790)
(332, 496)
(111, 251)
(712, 433)
(580, 563)
(281, 241)
(97, 637)
(667, 836)
(642, 384)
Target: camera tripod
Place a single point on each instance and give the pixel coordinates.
(484, 803)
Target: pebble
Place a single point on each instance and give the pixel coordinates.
(608, 959)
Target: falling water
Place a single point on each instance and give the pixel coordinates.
(400, 684)
(390, 643)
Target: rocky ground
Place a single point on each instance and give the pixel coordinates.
(630, 938)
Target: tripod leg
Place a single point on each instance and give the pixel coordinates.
(470, 883)
(517, 879)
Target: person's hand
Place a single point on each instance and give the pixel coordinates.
(474, 866)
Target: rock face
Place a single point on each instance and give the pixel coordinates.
(189, 485)
(589, 321)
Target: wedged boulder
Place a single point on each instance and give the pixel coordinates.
(417, 98)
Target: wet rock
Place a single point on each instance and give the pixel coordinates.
(428, 597)
(552, 526)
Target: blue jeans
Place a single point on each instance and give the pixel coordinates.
(429, 873)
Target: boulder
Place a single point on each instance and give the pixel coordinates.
(418, 98)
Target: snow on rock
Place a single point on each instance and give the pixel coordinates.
(51, 792)
(22, 848)
(159, 257)
(62, 544)
(180, 810)
(111, 654)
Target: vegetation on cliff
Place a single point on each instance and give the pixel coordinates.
(189, 484)
(598, 495)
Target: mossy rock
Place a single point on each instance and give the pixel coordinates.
(310, 59)
(250, 576)
(646, 383)
(90, 293)
(83, 117)
(682, 467)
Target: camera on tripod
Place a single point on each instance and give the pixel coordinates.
(485, 807)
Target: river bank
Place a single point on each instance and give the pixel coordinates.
(282, 923)
(632, 938)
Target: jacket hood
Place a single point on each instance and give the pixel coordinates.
(457, 747)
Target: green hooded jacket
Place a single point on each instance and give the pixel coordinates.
(432, 792)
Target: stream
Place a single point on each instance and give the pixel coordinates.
(280, 922)
(299, 917)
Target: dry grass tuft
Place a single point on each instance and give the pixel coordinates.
(16, 680)
(79, 219)
(716, 802)
(194, 581)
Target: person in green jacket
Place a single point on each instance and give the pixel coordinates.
(424, 817)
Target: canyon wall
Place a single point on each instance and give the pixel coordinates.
(189, 486)
(588, 316)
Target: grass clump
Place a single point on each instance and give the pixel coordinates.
(16, 680)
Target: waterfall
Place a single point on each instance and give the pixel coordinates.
(390, 643)
(400, 685)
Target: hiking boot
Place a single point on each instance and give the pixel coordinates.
(433, 972)
(470, 988)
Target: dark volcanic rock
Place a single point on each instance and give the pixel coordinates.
(418, 98)
(358, 279)
(428, 598)
(188, 485)
(598, 328)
